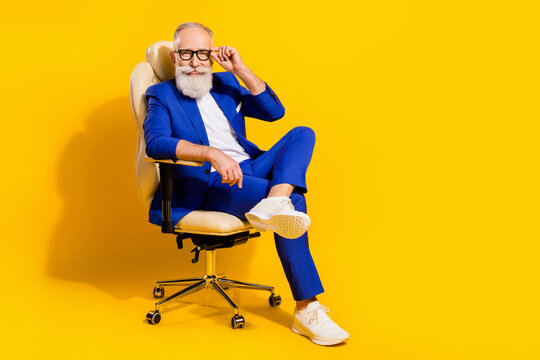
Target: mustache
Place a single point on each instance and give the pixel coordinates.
(188, 69)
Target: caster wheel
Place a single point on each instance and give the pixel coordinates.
(153, 317)
(159, 292)
(237, 321)
(274, 300)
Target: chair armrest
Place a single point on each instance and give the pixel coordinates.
(166, 171)
(177, 162)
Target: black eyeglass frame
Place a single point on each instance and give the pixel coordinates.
(191, 52)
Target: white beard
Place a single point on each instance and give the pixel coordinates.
(193, 86)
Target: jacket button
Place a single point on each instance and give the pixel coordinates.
(207, 171)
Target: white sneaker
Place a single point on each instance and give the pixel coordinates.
(315, 323)
(277, 214)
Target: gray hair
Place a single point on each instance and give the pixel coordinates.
(187, 25)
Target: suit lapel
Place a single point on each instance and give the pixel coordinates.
(192, 111)
(228, 106)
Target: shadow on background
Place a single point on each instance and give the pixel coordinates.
(104, 238)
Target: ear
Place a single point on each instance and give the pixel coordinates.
(173, 58)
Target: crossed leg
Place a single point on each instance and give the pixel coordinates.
(280, 171)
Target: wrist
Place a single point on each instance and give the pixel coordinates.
(210, 154)
(242, 71)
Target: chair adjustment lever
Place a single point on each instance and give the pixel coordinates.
(197, 250)
(179, 242)
(180, 239)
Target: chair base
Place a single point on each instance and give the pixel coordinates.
(209, 281)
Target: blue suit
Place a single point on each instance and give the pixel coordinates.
(172, 116)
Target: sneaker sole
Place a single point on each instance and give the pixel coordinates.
(316, 340)
(288, 226)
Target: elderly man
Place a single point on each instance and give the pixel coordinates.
(199, 115)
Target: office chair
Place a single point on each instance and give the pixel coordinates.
(208, 230)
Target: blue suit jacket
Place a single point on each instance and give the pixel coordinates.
(172, 116)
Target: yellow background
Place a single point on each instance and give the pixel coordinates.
(423, 188)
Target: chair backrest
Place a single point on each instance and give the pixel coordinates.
(158, 68)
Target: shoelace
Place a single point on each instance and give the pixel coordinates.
(314, 315)
(284, 201)
(287, 202)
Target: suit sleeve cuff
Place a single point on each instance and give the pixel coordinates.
(170, 147)
(266, 96)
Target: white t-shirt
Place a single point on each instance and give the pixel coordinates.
(220, 133)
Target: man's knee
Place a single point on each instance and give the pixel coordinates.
(304, 132)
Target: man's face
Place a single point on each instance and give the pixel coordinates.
(193, 76)
(194, 39)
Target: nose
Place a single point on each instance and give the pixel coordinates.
(194, 61)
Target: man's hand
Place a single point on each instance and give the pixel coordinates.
(228, 167)
(228, 57)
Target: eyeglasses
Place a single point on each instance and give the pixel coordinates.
(186, 54)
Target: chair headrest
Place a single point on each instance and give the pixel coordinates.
(158, 57)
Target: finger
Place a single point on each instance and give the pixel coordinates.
(241, 179)
(221, 53)
(230, 174)
(233, 178)
(224, 176)
(225, 58)
(236, 176)
(215, 57)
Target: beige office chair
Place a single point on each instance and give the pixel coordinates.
(208, 230)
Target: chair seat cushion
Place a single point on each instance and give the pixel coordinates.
(212, 223)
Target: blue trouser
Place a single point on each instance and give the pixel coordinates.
(285, 162)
